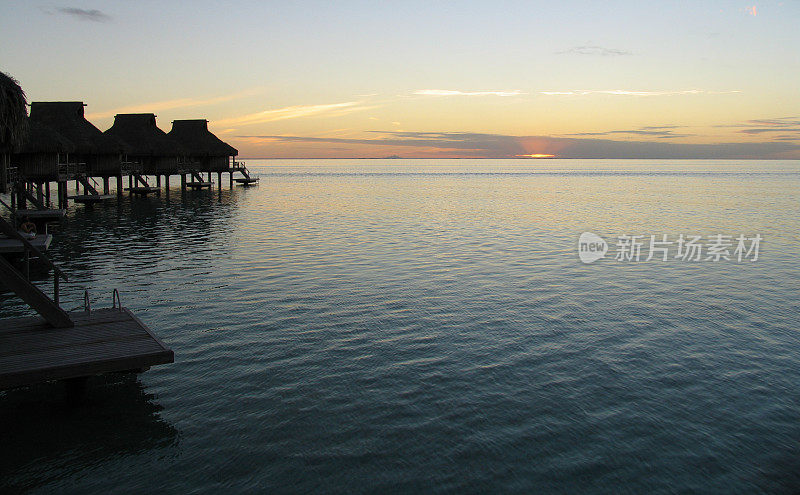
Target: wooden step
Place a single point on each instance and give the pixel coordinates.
(34, 297)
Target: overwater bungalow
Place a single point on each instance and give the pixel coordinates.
(148, 146)
(37, 162)
(205, 151)
(95, 154)
(37, 159)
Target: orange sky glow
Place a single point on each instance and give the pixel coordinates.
(566, 80)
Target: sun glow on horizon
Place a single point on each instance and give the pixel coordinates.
(536, 155)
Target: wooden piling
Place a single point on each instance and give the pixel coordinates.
(60, 189)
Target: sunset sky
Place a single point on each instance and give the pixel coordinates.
(428, 79)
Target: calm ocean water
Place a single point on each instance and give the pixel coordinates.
(404, 326)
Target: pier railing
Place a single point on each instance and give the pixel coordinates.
(131, 167)
(49, 309)
(70, 170)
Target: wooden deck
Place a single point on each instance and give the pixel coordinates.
(144, 190)
(9, 246)
(42, 214)
(103, 341)
(91, 198)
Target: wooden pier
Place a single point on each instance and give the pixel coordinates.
(15, 246)
(102, 341)
(91, 198)
(46, 214)
(60, 345)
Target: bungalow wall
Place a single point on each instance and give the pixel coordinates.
(212, 163)
(37, 166)
(161, 165)
(103, 165)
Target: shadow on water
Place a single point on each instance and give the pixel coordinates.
(47, 434)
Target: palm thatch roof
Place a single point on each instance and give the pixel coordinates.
(13, 114)
(195, 137)
(144, 138)
(42, 139)
(66, 118)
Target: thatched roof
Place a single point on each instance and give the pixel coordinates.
(13, 114)
(42, 139)
(198, 140)
(66, 117)
(143, 137)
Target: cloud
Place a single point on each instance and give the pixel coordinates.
(450, 92)
(776, 122)
(92, 15)
(481, 145)
(158, 106)
(594, 50)
(623, 92)
(761, 130)
(293, 112)
(762, 126)
(451, 141)
(661, 132)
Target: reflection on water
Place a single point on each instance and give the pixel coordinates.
(410, 325)
(46, 437)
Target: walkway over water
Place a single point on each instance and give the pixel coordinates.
(102, 341)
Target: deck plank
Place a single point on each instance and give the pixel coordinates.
(40, 242)
(102, 341)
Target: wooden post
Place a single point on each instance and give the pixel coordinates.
(105, 185)
(183, 182)
(231, 179)
(119, 186)
(62, 194)
(130, 181)
(3, 172)
(47, 192)
(158, 180)
(219, 180)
